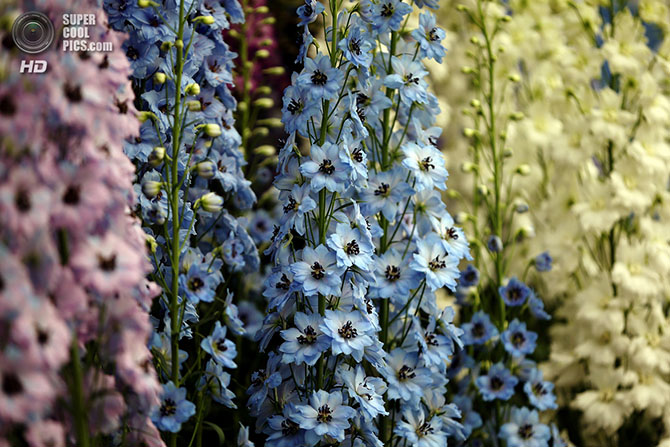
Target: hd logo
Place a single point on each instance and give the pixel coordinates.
(35, 66)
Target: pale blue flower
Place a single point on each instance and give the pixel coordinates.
(305, 342)
(219, 347)
(320, 79)
(324, 414)
(173, 409)
(498, 383)
(317, 272)
(349, 332)
(517, 340)
(525, 430)
(326, 169)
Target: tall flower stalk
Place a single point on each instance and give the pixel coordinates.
(495, 377)
(190, 176)
(74, 301)
(358, 344)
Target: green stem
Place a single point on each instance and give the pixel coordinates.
(80, 418)
(174, 202)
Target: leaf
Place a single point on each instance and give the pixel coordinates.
(217, 429)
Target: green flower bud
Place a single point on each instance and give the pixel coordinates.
(264, 103)
(211, 202)
(274, 71)
(194, 105)
(206, 169)
(212, 130)
(262, 54)
(160, 78)
(270, 122)
(192, 89)
(266, 150)
(145, 115)
(151, 188)
(261, 132)
(156, 156)
(263, 90)
(206, 20)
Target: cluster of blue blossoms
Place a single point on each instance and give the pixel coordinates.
(190, 187)
(358, 345)
(493, 376)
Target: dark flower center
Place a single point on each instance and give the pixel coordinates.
(327, 167)
(427, 164)
(425, 429)
(318, 271)
(436, 264)
(283, 283)
(308, 10)
(11, 385)
(294, 106)
(392, 273)
(195, 284)
(291, 205)
(387, 10)
(355, 46)
(7, 106)
(352, 248)
(72, 92)
(22, 200)
(478, 330)
(514, 294)
(42, 336)
(168, 408)
(107, 264)
(221, 345)
(71, 196)
(362, 99)
(496, 383)
(406, 373)
(432, 35)
(526, 431)
(289, 428)
(325, 414)
(357, 155)
(348, 331)
(132, 53)
(451, 232)
(518, 339)
(411, 79)
(319, 78)
(538, 388)
(431, 339)
(383, 189)
(308, 336)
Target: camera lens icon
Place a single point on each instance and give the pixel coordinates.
(33, 32)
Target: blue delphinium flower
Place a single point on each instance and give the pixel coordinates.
(349, 333)
(433, 261)
(536, 306)
(351, 247)
(317, 272)
(517, 340)
(365, 390)
(430, 37)
(199, 284)
(540, 392)
(323, 415)
(479, 330)
(357, 47)
(420, 431)
(385, 15)
(309, 11)
(543, 262)
(320, 79)
(498, 383)
(393, 277)
(173, 410)
(407, 78)
(326, 170)
(469, 276)
(219, 347)
(525, 430)
(305, 342)
(191, 187)
(357, 249)
(515, 292)
(494, 244)
(298, 108)
(427, 165)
